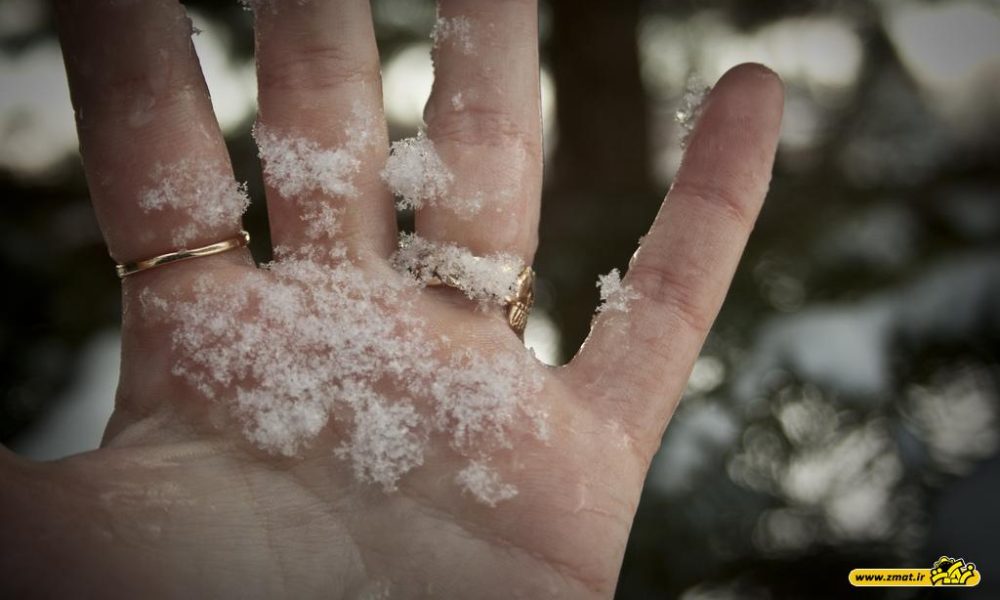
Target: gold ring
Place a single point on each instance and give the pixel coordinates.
(517, 305)
(124, 270)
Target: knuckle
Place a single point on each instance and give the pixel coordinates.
(316, 67)
(482, 125)
(725, 201)
(674, 291)
(128, 110)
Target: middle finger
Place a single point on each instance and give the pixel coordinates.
(321, 129)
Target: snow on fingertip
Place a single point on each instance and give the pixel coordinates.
(689, 110)
(615, 296)
(456, 30)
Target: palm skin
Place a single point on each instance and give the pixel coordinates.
(177, 504)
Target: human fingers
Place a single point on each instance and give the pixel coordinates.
(635, 363)
(484, 122)
(321, 130)
(156, 163)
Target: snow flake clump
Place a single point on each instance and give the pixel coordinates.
(387, 441)
(208, 198)
(473, 398)
(695, 92)
(300, 347)
(490, 278)
(416, 173)
(484, 483)
(615, 296)
(294, 165)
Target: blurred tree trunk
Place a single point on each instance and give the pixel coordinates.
(599, 197)
(601, 115)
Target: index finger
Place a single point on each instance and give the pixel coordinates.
(156, 163)
(635, 364)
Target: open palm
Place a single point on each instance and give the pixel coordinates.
(178, 503)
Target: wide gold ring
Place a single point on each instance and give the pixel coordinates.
(517, 305)
(126, 269)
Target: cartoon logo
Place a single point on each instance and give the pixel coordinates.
(954, 571)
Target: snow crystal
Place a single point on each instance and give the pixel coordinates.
(614, 295)
(466, 207)
(695, 92)
(456, 29)
(386, 442)
(473, 397)
(300, 347)
(209, 198)
(279, 429)
(416, 173)
(484, 483)
(484, 278)
(294, 165)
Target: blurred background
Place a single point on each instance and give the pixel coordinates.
(844, 411)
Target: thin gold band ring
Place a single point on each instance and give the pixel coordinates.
(126, 269)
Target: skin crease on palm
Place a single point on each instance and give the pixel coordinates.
(174, 504)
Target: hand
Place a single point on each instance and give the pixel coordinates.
(178, 503)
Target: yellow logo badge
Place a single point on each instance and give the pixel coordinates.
(947, 571)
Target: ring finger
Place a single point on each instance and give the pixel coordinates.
(484, 119)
